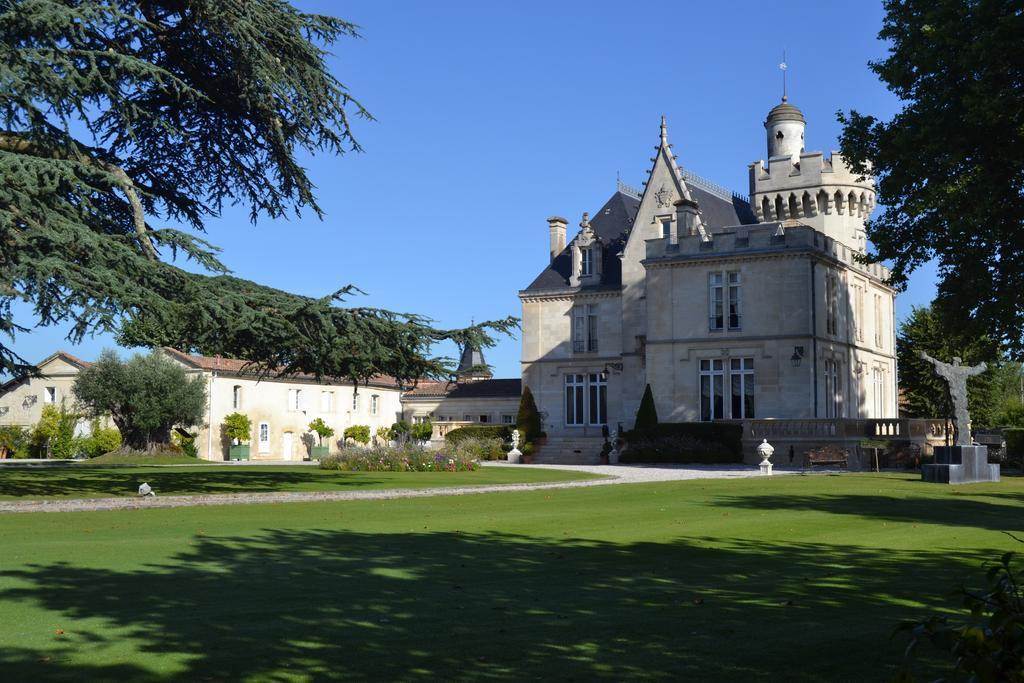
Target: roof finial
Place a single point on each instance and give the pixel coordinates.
(664, 129)
(783, 66)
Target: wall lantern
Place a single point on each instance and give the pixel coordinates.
(797, 357)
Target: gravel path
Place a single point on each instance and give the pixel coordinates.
(617, 474)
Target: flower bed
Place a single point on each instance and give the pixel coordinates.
(407, 458)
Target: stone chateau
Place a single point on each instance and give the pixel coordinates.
(729, 307)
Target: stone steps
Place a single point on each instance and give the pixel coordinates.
(570, 451)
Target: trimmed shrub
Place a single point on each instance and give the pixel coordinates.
(405, 458)
(100, 440)
(54, 435)
(647, 415)
(321, 429)
(1014, 443)
(478, 448)
(502, 432)
(528, 418)
(686, 442)
(358, 433)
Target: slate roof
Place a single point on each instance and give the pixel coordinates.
(485, 388)
(613, 222)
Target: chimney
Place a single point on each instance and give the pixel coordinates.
(686, 216)
(556, 230)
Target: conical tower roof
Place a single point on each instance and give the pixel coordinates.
(472, 365)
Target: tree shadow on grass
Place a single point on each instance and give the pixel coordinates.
(339, 604)
(115, 481)
(979, 510)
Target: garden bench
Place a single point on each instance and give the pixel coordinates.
(827, 455)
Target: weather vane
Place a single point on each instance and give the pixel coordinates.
(783, 66)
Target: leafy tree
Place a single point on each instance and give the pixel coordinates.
(925, 394)
(238, 427)
(383, 435)
(358, 433)
(145, 397)
(54, 435)
(948, 165)
(647, 414)
(422, 431)
(528, 418)
(322, 430)
(119, 117)
(14, 441)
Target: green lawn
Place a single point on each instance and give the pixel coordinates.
(88, 481)
(116, 458)
(786, 579)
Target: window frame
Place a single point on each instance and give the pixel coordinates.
(374, 404)
(709, 370)
(585, 328)
(263, 437)
(236, 397)
(50, 395)
(586, 261)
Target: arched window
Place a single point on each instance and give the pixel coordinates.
(853, 204)
(840, 204)
(780, 211)
(794, 210)
(808, 205)
(822, 203)
(766, 209)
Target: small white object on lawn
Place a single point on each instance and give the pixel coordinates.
(146, 490)
(765, 450)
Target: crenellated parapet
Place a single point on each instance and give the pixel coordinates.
(821, 192)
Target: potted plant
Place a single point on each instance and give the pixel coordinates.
(323, 431)
(238, 428)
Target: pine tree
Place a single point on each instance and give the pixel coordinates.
(120, 116)
(647, 414)
(528, 418)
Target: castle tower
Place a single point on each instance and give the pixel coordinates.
(472, 366)
(795, 186)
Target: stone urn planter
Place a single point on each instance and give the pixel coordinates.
(319, 452)
(239, 452)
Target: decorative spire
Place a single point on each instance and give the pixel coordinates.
(782, 67)
(585, 223)
(664, 131)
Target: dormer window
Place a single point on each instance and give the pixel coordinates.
(666, 229)
(586, 262)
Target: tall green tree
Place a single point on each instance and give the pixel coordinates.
(925, 394)
(949, 165)
(145, 396)
(124, 126)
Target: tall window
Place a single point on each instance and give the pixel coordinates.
(712, 389)
(878, 380)
(831, 304)
(741, 379)
(597, 398)
(724, 300)
(374, 404)
(236, 397)
(574, 393)
(264, 437)
(666, 229)
(716, 302)
(326, 401)
(584, 333)
(587, 263)
(295, 399)
(355, 401)
(833, 389)
(858, 323)
(734, 301)
(878, 320)
(49, 394)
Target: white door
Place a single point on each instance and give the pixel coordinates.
(286, 445)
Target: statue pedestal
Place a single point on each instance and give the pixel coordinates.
(960, 465)
(514, 456)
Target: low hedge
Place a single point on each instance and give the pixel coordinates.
(503, 432)
(686, 442)
(1014, 443)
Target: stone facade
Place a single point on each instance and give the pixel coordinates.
(22, 401)
(725, 310)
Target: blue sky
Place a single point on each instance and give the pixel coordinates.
(493, 116)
